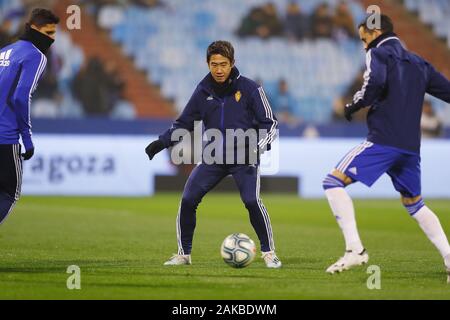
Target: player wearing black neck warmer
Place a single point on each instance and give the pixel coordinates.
(21, 66)
(39, 39)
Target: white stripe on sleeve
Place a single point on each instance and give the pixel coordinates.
(360, 94)
(271, 134)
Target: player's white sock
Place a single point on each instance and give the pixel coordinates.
(342, 206)
(432, 227)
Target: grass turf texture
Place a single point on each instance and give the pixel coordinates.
(120, 245)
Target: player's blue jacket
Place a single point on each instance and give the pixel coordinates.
(21, 66)
(395, 83)
(245, 106)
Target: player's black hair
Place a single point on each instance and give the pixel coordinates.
(385, 27)
(224, 48)
(40, 17)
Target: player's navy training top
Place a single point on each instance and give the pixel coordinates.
(395, 83)
(21, 66)
(243, 105)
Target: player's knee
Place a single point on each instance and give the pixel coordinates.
(413, 205)
(251, 203)
(331, 182)
(190, 200)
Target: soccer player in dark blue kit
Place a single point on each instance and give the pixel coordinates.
(395, 83)
(21, 66)
(224, 99)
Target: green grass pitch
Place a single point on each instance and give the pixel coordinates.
(120, 245)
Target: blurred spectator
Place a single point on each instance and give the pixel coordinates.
(297, 24)
(262, 22)
(272, 25)
(114, 82)
(283, 104)
(322, 22)
(120, 107)
(100, 89)
(430, 124)
(343, 21)
(250, 23)
(91, 89)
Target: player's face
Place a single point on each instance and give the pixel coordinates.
(220, 67)
(49, 30)
(368, 36)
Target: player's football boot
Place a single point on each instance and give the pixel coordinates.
(178, 259)
(271, 260)
(349, 260)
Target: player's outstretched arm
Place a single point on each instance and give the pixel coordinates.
(438, 85)
(185, 121)
(32, 68)
(265, 117)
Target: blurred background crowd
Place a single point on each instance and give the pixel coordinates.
(139, 59)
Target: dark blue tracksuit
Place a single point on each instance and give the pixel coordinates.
(395, 84)
(243, 105)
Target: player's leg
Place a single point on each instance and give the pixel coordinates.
(201, 180)
(406, 179)
(430, 224)
(364, 163)
(10, 178)
(247, 179)
(342, 207)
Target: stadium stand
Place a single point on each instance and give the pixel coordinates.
(158, 48)
(168, 42)
(435, 13)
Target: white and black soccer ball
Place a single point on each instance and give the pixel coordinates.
(238, 250)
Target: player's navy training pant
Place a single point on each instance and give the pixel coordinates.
(10, 178)
(205, 177)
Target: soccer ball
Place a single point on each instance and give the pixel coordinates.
(238, 250)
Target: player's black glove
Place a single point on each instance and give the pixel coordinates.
(153, 148)
(350, 109)
(28, 154)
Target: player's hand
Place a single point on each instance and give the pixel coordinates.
(28, 154)
(153, 148)
(350, 109)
